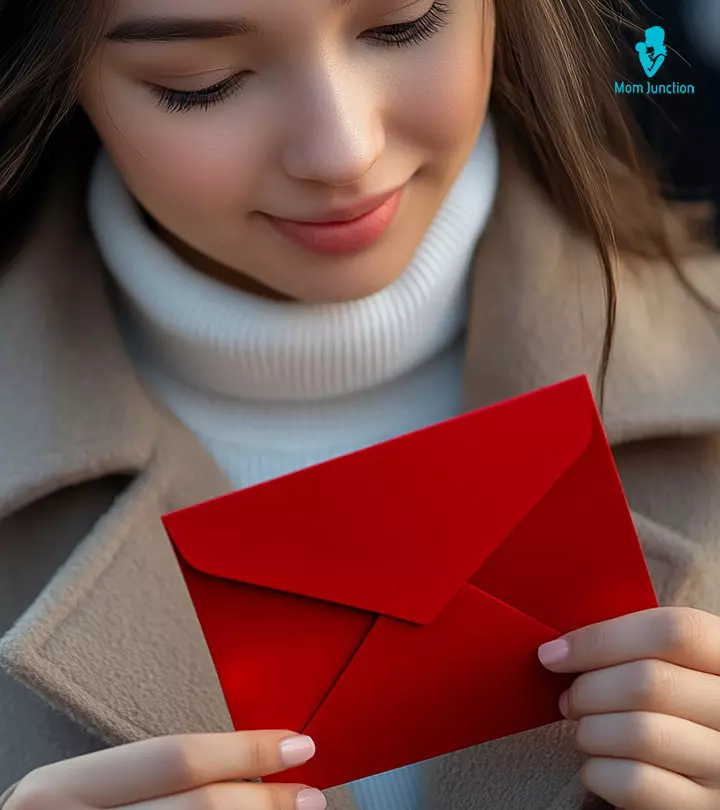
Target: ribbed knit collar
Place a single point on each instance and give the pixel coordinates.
(223, 341)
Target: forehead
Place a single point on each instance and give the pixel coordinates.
(178, 20)
(226, 8)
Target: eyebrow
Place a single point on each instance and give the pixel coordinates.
(172, 29)
(175, 29)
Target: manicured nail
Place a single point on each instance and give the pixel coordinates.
(564, 703)
(296, 750)
(554, 651)
(310, 799)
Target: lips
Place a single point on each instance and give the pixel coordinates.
(350, 212)
(343, 231)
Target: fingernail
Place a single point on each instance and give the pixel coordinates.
(296, 750)
(564, 703)
(310, 799)
(554, 651)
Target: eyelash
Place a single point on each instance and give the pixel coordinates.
(398, 35)
(414, 32)
(184, 100)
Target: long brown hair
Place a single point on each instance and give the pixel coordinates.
(555, 66)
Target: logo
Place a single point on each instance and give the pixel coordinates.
(653, 51)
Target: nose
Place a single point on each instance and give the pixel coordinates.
(335, 130)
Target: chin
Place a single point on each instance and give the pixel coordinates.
(352, 278)
(346, 290)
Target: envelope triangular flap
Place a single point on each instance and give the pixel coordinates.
(395, 529)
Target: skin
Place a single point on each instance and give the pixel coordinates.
(647, 702)
(182, 772)
(328, 116)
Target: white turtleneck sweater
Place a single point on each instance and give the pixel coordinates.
(271, 387)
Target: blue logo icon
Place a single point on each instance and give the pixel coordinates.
(653, 50)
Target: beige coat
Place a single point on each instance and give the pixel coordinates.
(98, 641)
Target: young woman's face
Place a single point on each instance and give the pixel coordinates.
(305, 110)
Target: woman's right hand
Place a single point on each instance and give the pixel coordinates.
(182, 772)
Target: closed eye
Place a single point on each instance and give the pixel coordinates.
(397, 35)
(204, 98)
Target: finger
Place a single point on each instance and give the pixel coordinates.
(629, 785)
(667, 742)
(165, 765)
(650, 685)
(683, 636)
(250, 796)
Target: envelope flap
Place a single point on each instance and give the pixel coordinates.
(397, 528)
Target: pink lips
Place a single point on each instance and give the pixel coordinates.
(344, 235)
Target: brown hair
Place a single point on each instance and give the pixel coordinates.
(555, 66)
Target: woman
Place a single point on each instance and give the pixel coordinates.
(313, 226)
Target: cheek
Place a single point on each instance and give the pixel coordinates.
(444, 95)
(200, 160)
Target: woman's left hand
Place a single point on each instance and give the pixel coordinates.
(648, 707)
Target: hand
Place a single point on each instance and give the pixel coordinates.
(647, 706)
(185, 772)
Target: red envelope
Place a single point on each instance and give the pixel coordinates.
(390, 602)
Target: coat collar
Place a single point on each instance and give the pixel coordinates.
(78, 412)
(538, 317)
(76, 409)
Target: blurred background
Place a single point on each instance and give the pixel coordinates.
(684, 130)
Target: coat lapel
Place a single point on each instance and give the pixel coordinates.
(112, 639)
